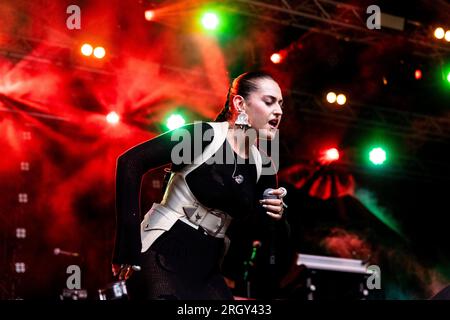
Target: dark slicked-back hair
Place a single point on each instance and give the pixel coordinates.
(243, 86)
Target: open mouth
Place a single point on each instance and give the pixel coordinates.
(273, 123)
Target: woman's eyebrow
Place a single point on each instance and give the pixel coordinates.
(273, 98)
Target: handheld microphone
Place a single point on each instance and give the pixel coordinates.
(267, 195)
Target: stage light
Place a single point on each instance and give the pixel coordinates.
(447, 36)
(25, 166)
(210, 21)
(341, 99)
(439, 33)
(275, 58)
(175, 121)
(418, 74)
(448, 76)
(377, 156)
(86, 49)
(23, 198)
(20, 267)
(331, 97)
(21, 233)
(149, 15)
(112, 118)
(99, 52)
(329, 155)
(332, 154)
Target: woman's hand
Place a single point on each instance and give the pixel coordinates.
(275, 207)
(124, 271)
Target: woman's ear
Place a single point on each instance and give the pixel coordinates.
(238, 103)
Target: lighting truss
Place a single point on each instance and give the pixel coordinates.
(365, 116)
(342, 21)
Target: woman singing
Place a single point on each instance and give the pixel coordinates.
(217, 178)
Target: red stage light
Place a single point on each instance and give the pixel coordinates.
(112, 118)
(332, 154)
(276, 58)
(149, 15)
(418, 74)
(328, 155)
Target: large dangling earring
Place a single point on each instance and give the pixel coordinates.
(242, 120)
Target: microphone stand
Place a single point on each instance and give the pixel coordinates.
(250, 263)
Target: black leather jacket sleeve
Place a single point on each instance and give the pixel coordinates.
(131, 167)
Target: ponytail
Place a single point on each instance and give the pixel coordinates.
(224, 115)
(243, 86)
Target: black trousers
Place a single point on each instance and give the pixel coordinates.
(182, 264)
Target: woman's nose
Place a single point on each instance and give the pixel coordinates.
(278, 111)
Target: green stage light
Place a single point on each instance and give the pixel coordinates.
(377, 156)
(175, 121)
(210, 21)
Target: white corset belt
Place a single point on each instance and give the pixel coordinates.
(180, 204)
